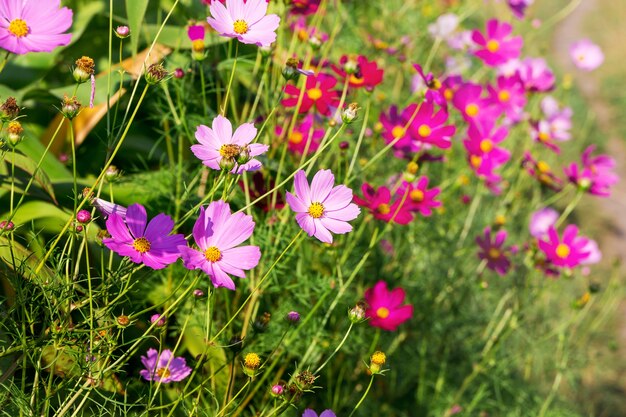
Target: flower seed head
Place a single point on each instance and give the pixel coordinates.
(85, 68)
(155, 74)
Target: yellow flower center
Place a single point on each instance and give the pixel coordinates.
(504, 96)
(493, 45)
(141, 245)
(486, 145)
(543, 167)
(252, 360)
(212, 254)
(383, 208)
(424, 131)
(435, 84)
(416, 196)
(412, 167)
(544, 136)
(471, 110)
(448, 94)
(19, 28)
(296, 138)
(562, 251)
(382, 312)
(163, 373)
(378, 358)
(303, 35)
(230, 151)
(475, 160)
(316, 210)
(240, 27)
(197, 45)
(494, 253)
(397, 132)
(356, 80)
(314, 93)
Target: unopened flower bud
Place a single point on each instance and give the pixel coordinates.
(349, 114)
(377, 360)
(155, 74)
(251, 363)
(278, 390)
(357, 313)
(293, 317)
(198, 293)
(227, 164)
(292, 70)
(305, 380)
(159, 319)
(412, 167)
(14, 133)
(9, 110)
(83, 216)
(79, 228)
(111, 173)
(85, 67)
(5, 225)
(261, 324)
(344, 144)
(179, 73)
(244, 156)
(122, 32)
(123, 320)
(70, 107)
(584, 184)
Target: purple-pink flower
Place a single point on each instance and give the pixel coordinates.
(497, 46)
(385, 308)
(322, 209)
(541, 220)
(151, 245)
(379, 202)
(518, 7)
(596, 174)
(218, 234)
(586, 55)
(220, 148)
(566, 251)
(164, 368)
(244, 20)
(493, 251)
(419, 197)
(33, 25)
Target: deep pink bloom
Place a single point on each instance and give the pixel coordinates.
(360, 72)
(420, 198)
(321, 208)
(518, 7)
(195, 33)
(596, 174)
(469, 101)
(151, 244)
(434, 91)
(396, 129)
(304, 7)
(497, 46)
(318, 92)
(536, 75)
(509, 96)
(493, 251)
(568, 251)
(380, 204)
(164, 368)
(304, 136)
(385, 309)
(311, 413)
(430, 128)
(244, 20)
(541, 221)
(219, 147)
(586, 55)
(218, 234)
(481, 144)
(306, 32)
(33, 25)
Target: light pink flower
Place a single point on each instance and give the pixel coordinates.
(244, 20)
(33, 25)
(586, 55)
(321, 208)
(541, 220)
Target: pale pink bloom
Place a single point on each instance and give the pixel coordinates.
(541, 220)
(586, 55)
(244, 20)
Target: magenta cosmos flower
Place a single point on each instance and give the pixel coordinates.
(33, 25)
(322, 208)
(394, 131)
(218, 234)
(596, 174)
(311, 413)
(385, 309)
(244, 20)
(220, 147)
(492, 250)
(380, 205)
(568, 251)
(509, 96)
(164, 368)
(304, 136)
(151, 244)
(420, 198)
(497, 46)
(429, 127)
(586, 55)
(360, 72)
(536, 75)
(469, 101)
(318, 93)
(518, 7)
(484, 154)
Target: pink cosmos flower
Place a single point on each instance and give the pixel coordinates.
(430, 128)
(595, 255)
(509, 96)
(518, 7)
(568, 251)
(220, 148)
(385, 309)
(303, 136)
(319, 93)
(321, 208)
(33, 25)
(541, 220)
(536, 75)
(360, 72)
(218, 234)
(444, 26)
(586, 55)
(420, 198)
(497, 46)
(481, 145)
(151, 244)
(306, 32)
(434, 92)
(555, 126)
(244, 20)
(380, 205)
(107, 208)
(492, 250)
(164, 368)
(469, 101)
(394, 124)
(596, 174)
(304, 7)
(196, 33)
(311, 413)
